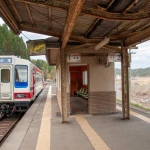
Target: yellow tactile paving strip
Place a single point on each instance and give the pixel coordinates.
(44, 134)
(93, 137)
(146, 119)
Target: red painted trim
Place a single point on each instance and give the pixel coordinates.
(28, 95)
(37, 70)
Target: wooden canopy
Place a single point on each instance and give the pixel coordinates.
(85, 22)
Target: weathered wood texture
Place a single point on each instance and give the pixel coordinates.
(63, 85)
(125, 82)
(73, 13)
(94, 12)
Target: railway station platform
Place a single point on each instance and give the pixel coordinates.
(41, 129)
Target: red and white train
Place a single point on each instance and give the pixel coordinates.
(20, 83)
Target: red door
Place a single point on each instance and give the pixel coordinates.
(75, 82)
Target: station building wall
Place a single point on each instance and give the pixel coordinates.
(101, 85)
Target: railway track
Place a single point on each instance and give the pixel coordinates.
(136, 110)
(7, 124)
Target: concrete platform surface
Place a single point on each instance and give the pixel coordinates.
(41, 128)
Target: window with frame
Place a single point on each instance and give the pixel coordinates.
(5, 75)
(21, 76)
(85, 80)
(21, 73)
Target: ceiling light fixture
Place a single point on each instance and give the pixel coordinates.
(102, 43)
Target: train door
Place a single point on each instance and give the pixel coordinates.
(6, 84)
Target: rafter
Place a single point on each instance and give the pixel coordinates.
(130, 6)
(91, 27)
(29, 13)
(110, 3)
(49, 18)
(70, 49)
(97, 20)
(73, 13)
(126, 27)
(8, 17)
(112, 48)
(139, 26)
(75, 38)
(144, 4)
(138, 38)
(15, 11)
(56, 34)
(116, 28)
(96, 13)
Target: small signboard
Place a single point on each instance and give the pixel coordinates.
(5, 60)
(73, 58)
(36, 47)
(114, 57)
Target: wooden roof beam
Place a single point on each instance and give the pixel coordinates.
(110, 3)
(139, 26)
(73, 13)
(49, 18)
(30, 16)
(112, 48)
(130, 6)
(144, 4)
(70, 49)
(138, 38)
(75, 38)
(96, 13)
(126, 27)
(91, 27)
(15, 10)
(116, 28)
(8, 17)
(96, 22)
(56, 34)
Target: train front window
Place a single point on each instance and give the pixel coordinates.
(21, 76)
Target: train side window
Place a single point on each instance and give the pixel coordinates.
(5, 75)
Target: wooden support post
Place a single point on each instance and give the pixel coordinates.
(63, 86)
(125, 82)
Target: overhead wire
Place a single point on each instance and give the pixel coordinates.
(25, 36)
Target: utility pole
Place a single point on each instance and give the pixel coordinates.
(129, 68)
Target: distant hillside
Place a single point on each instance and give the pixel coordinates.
(141, 72)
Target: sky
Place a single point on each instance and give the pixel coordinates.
(140, 58)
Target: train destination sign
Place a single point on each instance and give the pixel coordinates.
(73, 58)
(5, 60)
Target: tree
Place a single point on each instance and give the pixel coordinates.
(11, 44)
(49, 71)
